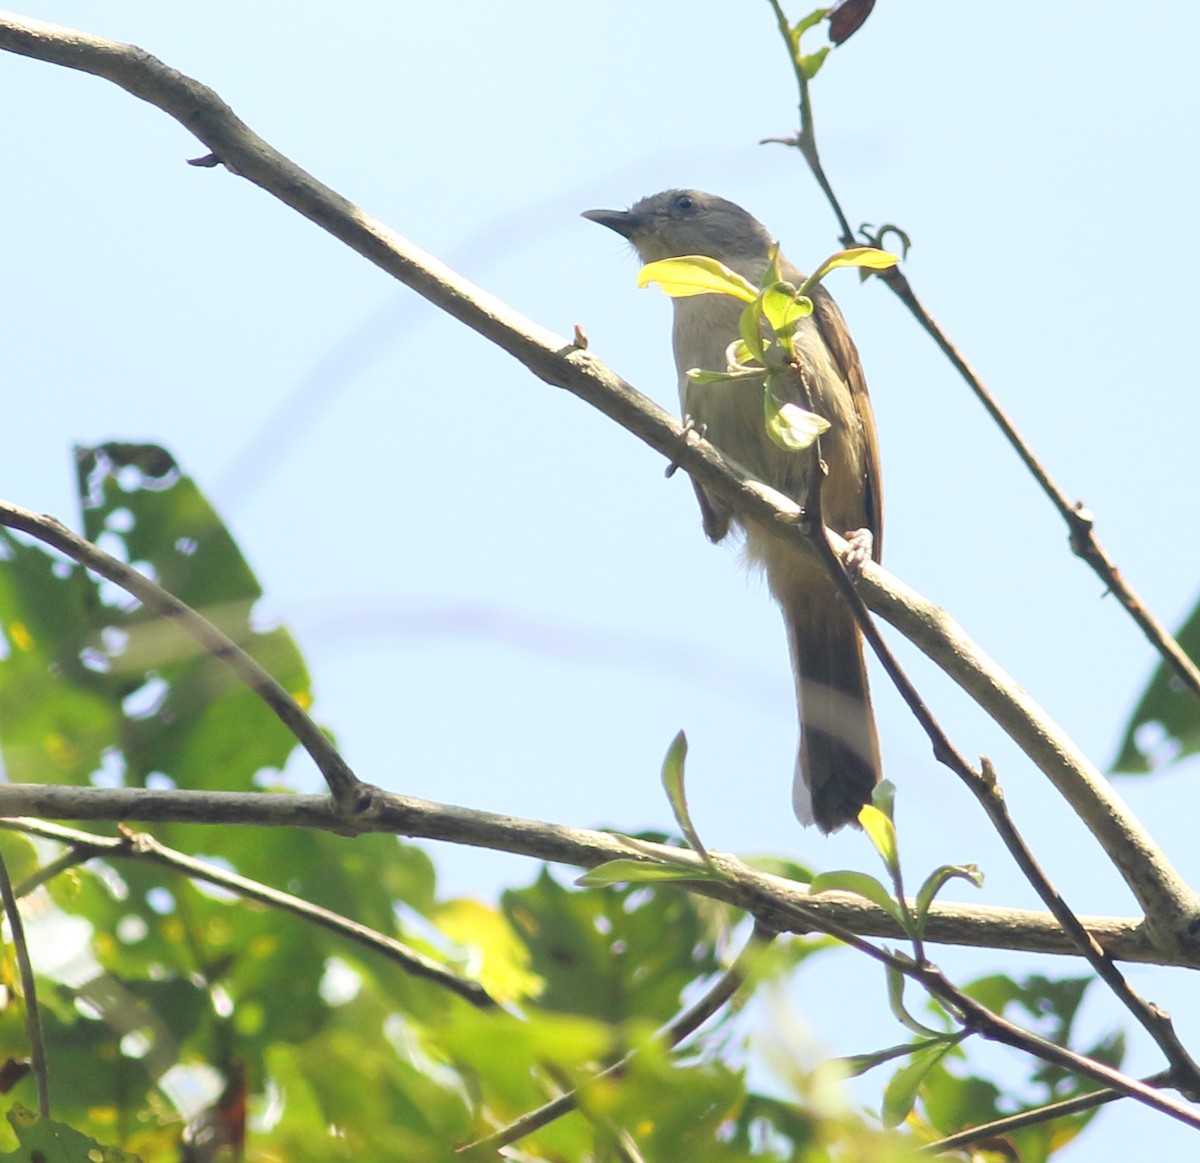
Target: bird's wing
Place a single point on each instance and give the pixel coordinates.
(836, 335)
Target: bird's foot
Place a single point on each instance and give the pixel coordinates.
(859, 546)
(691, 430)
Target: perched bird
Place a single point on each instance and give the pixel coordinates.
(838, 764)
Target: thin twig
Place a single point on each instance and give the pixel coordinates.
(987, 791)
(985, 1022)
(671, 1035)
(345, 786)
(140, 846)
(983, 785)
(805, 139)
(1031, 1118)
(33, 1017)
(75, 855)
(1079, 521)
(1166, 899)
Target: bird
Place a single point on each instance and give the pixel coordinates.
(838, 764)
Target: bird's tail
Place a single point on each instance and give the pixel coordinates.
(839, 763)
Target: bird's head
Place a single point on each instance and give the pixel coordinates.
(679, 222)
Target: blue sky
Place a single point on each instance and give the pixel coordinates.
(504, 603)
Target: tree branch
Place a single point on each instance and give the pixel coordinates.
(33, 1017)
(982, 926)
(674, 1032)
(343, 783)
(139, 846)
(1079, 520)
(1170, 906)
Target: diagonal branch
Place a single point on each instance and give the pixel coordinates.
(674, 1032)
(1169, 904)
(1079, 520)
(342, 782)
(139, 846)
(983, 785)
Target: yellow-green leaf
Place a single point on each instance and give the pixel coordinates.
(750, 329)
(791, 427)
(882, 833)
(784, 306)
(696, 274)
(858, 256)
(700, 376)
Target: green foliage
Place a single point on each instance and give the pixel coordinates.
(175, 1004)
(44, 1140)
(1164, 726)
(767, 324)
(955, 1096)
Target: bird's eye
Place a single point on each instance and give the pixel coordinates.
(685, 202)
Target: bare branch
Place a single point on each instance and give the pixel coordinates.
(1171, 907)
(344, 784)
(139, 846)
(1079, 520)
(1021, 930)
(1029, 1118)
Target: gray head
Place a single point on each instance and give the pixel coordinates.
(678, 222)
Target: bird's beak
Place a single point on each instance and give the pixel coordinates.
(623, 222)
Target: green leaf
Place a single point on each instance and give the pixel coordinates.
(43, 1140)
(791, 427)
(881, 832)
(672, 780)
(702, 377)
(1164, 726)
(936, 879)
(806, 22)
(868, 257)
(628, 871)
(750, 329)
(861, 884)
(811, 64)
(901, 1092)
(628, 953)
(896, 982)
(784, 306)
(857, 1064)
(696, 274)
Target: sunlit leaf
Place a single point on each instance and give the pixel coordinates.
(791, 427)
(750, 324)
(880, 830)
(811, 63)
(696, 274)
(865, 257)
(784, 306)
(702, 377)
